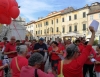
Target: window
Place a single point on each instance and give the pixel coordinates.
(41, 31)
(63, 29)
(41, 24)
(75, 16)
(84, 27)
(52, 21)
(46, 23)
(51, 29)
(57, 29)
(63, 20)
(48, 30)
(44, 31)
(36, 32)
(75, 28)
(57, 20)
(91, 17)
(36, 26)
(70, 28)
(69, 18)
(32, 31)
(84, 14)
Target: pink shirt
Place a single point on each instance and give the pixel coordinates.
(27, 71)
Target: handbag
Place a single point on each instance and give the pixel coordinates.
(17, 64)
(61, 73)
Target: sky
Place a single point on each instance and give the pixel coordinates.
(33, 9)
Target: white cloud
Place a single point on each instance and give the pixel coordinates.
(30, 7)
(91, 1)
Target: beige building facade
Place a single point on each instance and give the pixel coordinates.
(48, 27)
(67, 23)
(94, 14)
(76, 22)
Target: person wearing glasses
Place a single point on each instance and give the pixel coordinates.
(10, 49)
(73, 63)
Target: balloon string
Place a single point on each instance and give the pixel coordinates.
(16, 30)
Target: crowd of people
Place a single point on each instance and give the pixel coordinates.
(28, 58)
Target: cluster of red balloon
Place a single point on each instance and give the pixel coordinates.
(8, 10)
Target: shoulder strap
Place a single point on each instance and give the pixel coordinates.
(61, 71)
(17, 64)
(36, 75)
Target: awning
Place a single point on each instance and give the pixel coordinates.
(73, 35)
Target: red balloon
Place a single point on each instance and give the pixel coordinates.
(12, 3)
(4, 6)
(14, 12)
(5, 19)
(8, 20)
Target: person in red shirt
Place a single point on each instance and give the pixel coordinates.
(55, 51)
(10, 49)
(19, 61)
(60, 44)
(89, 66)
(32, 45)
(97, 62)
(29, 49)
(73, 63)
(80, 45)
(5, 57)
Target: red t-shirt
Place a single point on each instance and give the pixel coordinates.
(97, 66)
(22, 61)
(81, 47)
(11, 47)
(94, 54)
(54, 56)
(74, 68)
(61, 46)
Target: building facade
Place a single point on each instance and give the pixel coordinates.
(48, 27)
(94, 14)
(66, 22)
(30, 30)
(75, 22)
